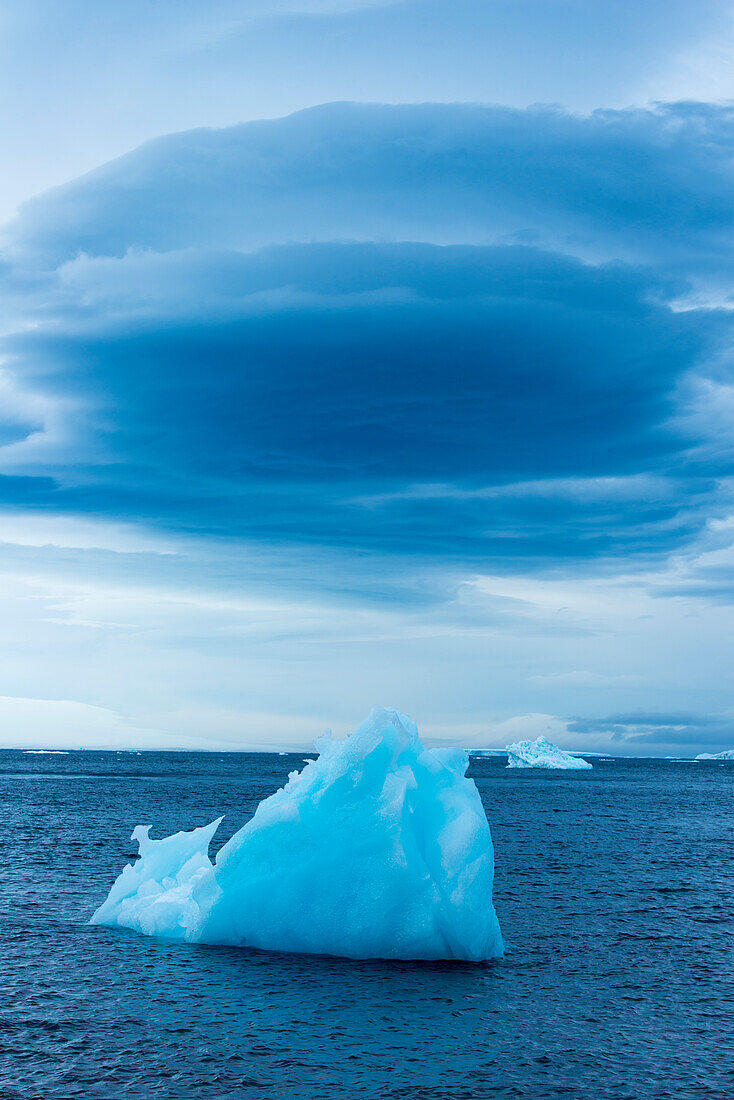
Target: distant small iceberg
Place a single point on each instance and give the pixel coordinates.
(45, 752)
(727, 754)
(542, 753)
(379, 848)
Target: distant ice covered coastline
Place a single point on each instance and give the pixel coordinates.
(727, 754)
(379, 848)
(542, 753)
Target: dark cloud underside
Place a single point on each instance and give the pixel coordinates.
(222, 377)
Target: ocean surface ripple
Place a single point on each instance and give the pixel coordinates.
(614, 888)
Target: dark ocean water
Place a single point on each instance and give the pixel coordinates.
(614, 888)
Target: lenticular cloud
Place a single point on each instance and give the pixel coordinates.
(380, 848)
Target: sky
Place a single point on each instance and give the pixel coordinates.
(360, 353)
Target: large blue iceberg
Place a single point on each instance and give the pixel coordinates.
(542, 753)
(379, 848)
(727, 754)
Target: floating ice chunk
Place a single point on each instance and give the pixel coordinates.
(727, 754)
(542, 753)
(156, 895)
(379, 848)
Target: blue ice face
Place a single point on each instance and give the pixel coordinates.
(380, 848)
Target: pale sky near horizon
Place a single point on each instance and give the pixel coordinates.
(421, 396)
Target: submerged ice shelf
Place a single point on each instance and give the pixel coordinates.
(379, 848)
(542, 753)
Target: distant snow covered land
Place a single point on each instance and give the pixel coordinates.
(379, 848)
(542, 753)
(727, 754)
